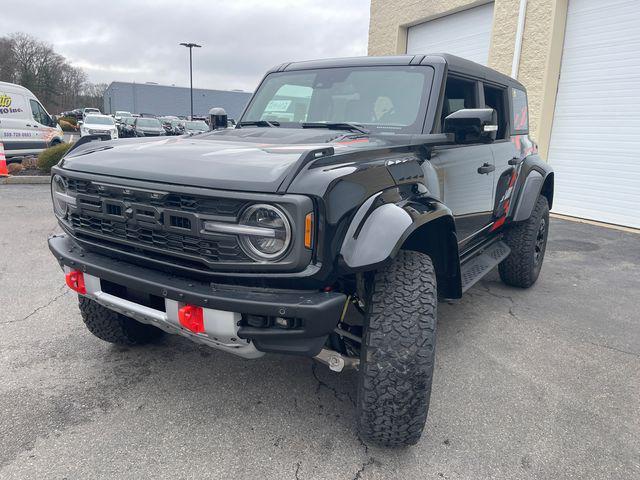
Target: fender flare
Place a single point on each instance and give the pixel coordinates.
(378, 231)
(537, 178)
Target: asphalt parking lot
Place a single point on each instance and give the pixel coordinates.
(539, 383)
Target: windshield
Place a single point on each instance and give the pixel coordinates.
(148, 122)
(197, 126)
(128, 120)
(123, 114)
(379, 98)
(91, 110)
(99, 120)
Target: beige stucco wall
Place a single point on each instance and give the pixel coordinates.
(541, 46)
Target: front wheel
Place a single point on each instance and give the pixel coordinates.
(396, 364)
(115, 328)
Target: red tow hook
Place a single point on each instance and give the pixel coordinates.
(192, 318)
(75, 281)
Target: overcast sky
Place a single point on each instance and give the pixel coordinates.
(138, 40)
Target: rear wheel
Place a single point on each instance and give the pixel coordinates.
(396, 365)
(115, 328)
(528, 243)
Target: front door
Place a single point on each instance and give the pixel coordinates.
(466, 172)
(466, 178)
(40, 125)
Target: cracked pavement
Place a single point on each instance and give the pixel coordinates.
(538, 383)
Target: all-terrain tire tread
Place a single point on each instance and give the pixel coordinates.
(519, 269)
(113, 327)
(398, 352)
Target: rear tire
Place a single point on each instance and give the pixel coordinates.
(396, 365)
(115, 328)
(528, 243)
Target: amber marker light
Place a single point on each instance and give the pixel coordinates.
(308, 230)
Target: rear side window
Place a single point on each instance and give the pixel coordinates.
(496, 98)
(520, 111)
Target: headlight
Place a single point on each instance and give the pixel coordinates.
(271, 238)
(59, 196)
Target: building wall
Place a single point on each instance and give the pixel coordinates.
(541, 45)
(167, 100)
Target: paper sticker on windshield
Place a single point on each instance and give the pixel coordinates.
(278, 106)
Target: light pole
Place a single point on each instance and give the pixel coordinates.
(190, 46)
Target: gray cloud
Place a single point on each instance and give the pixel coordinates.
(138, 41)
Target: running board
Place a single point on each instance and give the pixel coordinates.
(479, 265)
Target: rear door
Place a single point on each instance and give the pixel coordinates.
(466, 172)
(504, 150)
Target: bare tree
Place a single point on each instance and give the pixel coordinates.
(7, 60)
(35, 65)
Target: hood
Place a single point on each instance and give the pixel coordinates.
(213, 160)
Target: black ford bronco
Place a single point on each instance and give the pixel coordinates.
(350, 197)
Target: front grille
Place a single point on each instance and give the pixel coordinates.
(155, 223)
(226, 207)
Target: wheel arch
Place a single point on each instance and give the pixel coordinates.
(379, 232)
(536, 178)
(437, 238)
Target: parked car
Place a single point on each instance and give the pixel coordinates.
(325, 225)
(26, 128)
(120, 114)
(166, 121)
(195, 127)
(90, 111)
(125, 127)
(175, 127)
(147, 127)
(98, 125)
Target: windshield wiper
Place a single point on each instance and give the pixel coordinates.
(336, 126)
(260, 123)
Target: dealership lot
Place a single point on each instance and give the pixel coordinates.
(541, 383)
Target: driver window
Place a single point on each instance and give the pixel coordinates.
(39, 115)
(458, 94)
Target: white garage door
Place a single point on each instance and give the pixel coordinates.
(595, 140)
(466, 34)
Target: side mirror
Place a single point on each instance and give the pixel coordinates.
(80, 122)
(472, 125)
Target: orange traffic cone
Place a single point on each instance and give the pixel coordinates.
(3, 162)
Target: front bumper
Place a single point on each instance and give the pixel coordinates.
(318, 312)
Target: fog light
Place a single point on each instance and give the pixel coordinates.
(75, 281)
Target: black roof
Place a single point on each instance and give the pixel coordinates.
(455, 64)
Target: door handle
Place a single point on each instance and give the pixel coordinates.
(514, 161)
(486, 168)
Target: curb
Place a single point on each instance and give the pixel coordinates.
(26, 180)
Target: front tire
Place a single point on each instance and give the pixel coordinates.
(398, 345)
(115, 328)
(528, 243)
